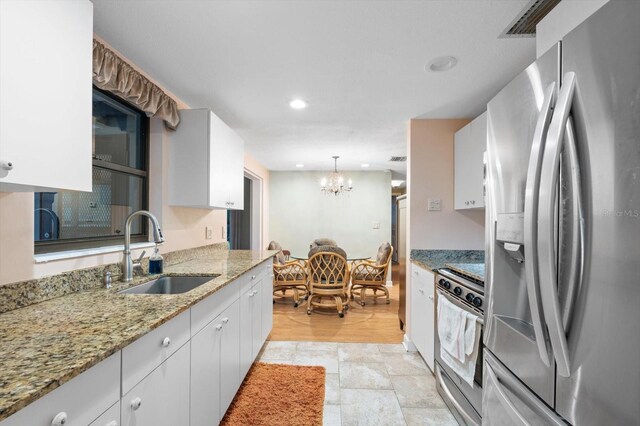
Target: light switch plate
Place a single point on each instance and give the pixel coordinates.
(376, 225)
(434, 204)
(208, 233)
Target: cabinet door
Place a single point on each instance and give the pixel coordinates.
(267, 306)
(229, 355)
(221, 162)
(478, 147)
(246, 333)
(45, 115)
(162, 398)
(470, 145)
(205, 374)
(235, 176)
(462, 166)
(256, 320)
(418, 315)
(429, 313)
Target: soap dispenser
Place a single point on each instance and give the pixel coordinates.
(155, 262)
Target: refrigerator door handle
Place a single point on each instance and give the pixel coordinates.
(546, 225)
(576, 260)
(531, 223)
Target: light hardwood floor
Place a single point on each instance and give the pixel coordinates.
(373, 323)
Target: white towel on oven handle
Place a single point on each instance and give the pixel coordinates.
(452, 322)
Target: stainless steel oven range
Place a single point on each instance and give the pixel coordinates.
(464, 400)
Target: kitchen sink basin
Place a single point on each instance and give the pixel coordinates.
(169, 285)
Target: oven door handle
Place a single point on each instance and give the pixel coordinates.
(467, 418)
(461, 306)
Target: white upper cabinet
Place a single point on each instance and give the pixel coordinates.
(470, 145)
(45, 103)
(206, 163)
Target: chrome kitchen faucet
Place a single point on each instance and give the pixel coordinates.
(128, 264)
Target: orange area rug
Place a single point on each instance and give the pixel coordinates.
(278, 395)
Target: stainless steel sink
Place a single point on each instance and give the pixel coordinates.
(169, 285)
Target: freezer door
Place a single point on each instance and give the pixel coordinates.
(601, 328)
(514, 327)
(507, 402)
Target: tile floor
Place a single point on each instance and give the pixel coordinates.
(368, 384)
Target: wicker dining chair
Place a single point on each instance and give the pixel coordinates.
(372, 274)
(328, 278)
(288, 275)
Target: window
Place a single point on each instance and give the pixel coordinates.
(66, 220)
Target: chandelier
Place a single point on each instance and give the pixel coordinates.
(334, 184)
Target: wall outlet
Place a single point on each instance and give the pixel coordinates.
(434, 204)
(376, 225)
(208, 233)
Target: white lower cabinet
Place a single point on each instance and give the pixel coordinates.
(111, 417)
(423, 313)
(205, 375)
(76, 403)
(169, 377)
(161, 398)
(215, 367)
(266, 306)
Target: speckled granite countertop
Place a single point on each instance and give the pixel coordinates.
(473, 270)
(46, 344)
(436, 259)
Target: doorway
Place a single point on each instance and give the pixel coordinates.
(244, 227)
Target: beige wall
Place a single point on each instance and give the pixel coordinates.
(182, 227)
(431, 175)
(304, 213)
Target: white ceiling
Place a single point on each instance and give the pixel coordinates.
(358, 64)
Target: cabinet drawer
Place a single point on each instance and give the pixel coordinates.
(111, 417)
(253, 276)
(149, 351)
(203, 312)
(83, 399)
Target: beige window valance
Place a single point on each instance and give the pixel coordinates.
(112, 73)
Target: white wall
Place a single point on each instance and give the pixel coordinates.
(567, 15)
(431, 175)
(300, 213)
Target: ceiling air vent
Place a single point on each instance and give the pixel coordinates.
(524, 25)
(398, 159)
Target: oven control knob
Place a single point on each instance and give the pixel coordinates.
(447, 285)
(441, 281)
(477, 302)
(457, 291)
(470, 297)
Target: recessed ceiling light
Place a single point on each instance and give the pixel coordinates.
(298, 104)
(299, 166)
(364, 165)
(441, 63)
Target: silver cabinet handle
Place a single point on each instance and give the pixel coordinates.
(546, 224)
(60, 419)
(531, 223)
(166, 342)
(112, 423)
(252, 294)
(225, 320)
(430, 297)
(253, 277)
(473, 202)
(421, 290)
(218, 327)
(7, 165)
(136, 403)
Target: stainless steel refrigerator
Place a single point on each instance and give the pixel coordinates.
(562, 333)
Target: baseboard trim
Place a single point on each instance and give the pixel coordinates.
(389, 284)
